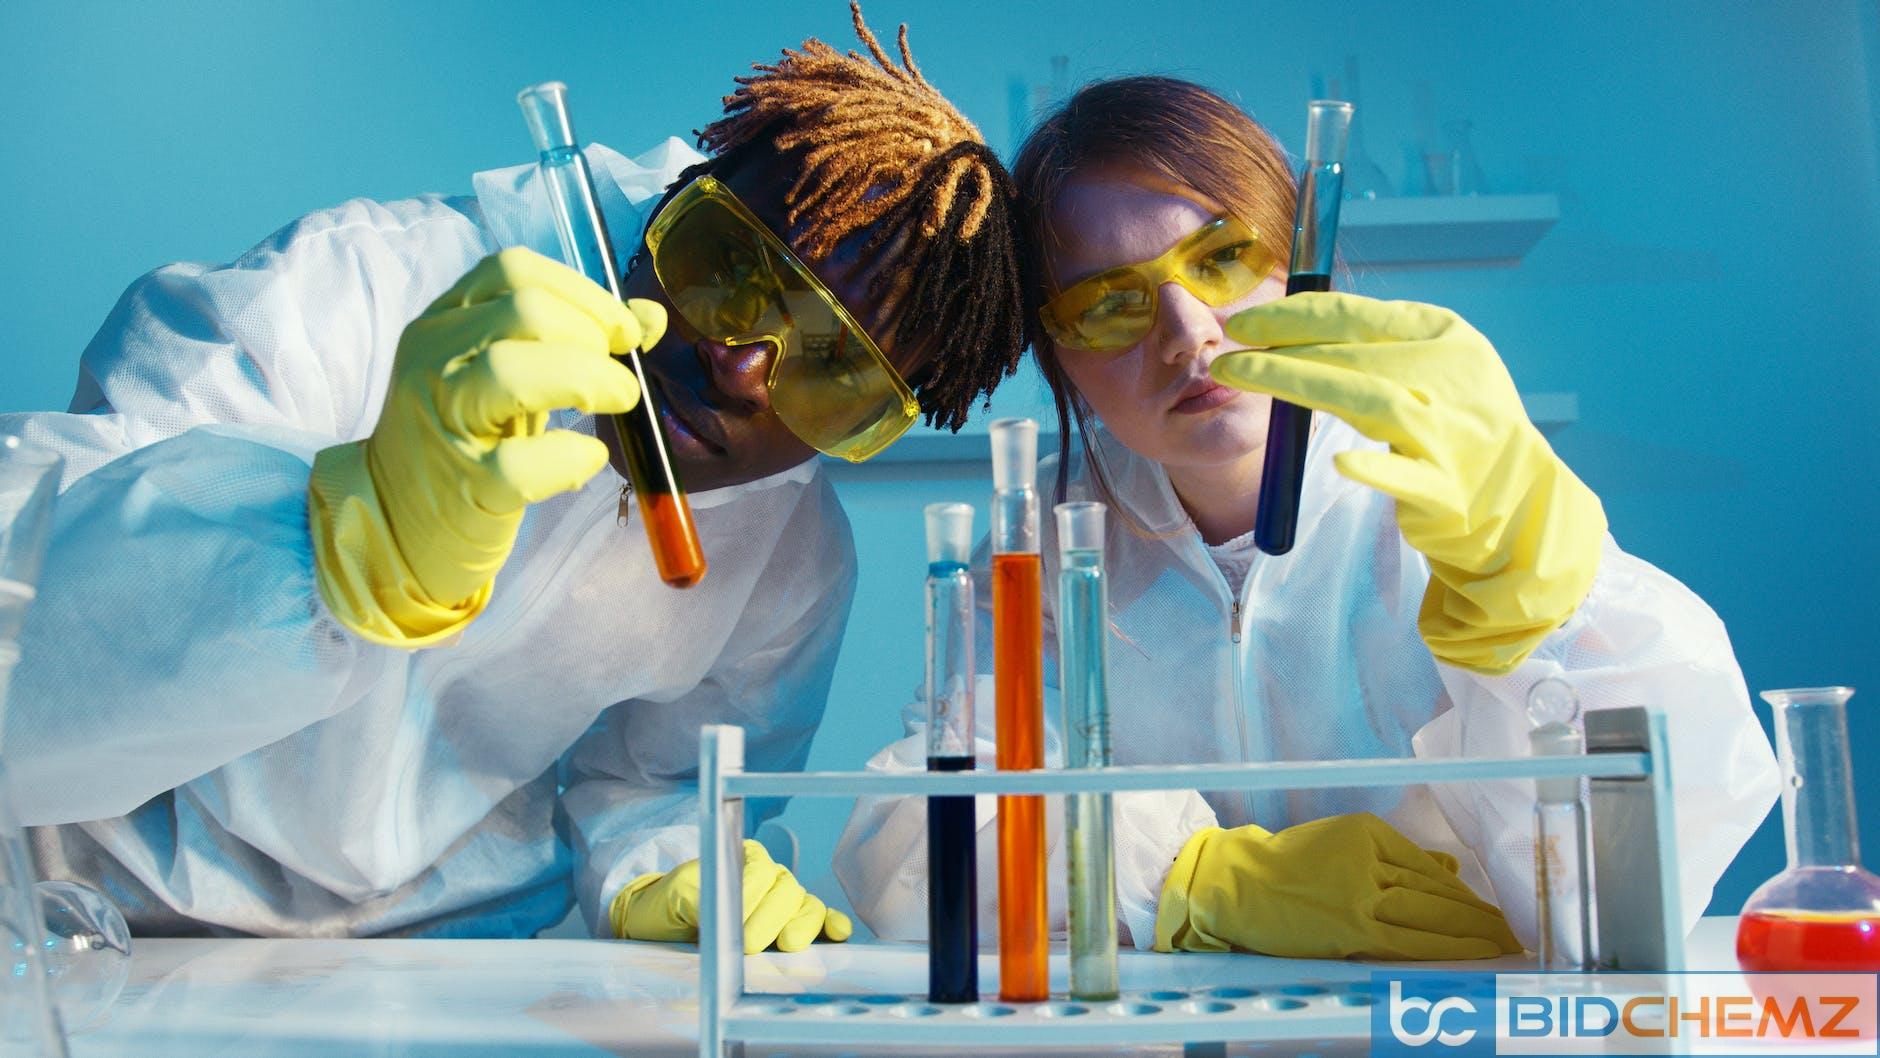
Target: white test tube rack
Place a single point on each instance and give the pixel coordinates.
(1634, 853)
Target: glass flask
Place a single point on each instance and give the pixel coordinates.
(29, 482)
(88, 952)
(1823, 912)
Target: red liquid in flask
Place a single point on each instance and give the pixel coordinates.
(1822, 942)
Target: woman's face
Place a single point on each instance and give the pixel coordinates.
(1156, 396)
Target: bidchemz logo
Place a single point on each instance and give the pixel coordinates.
(1432, 1013)
(1425, 1013)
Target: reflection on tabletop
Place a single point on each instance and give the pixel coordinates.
(293, 998)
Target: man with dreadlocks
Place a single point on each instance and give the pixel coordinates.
(337, 623)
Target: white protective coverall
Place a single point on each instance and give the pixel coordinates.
(1318, 658)
(231, 759)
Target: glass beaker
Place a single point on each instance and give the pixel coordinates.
(29, 482)
(1823, 912)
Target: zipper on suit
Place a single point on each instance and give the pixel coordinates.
(1233, 621)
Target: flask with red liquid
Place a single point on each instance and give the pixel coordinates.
(1822, 914)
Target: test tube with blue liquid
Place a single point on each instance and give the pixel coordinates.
(952, 851)
(1314, 244)
(1083, 664)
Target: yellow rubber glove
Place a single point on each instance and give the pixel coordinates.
(411, 524)
(778, 911)
(1329, 889)
(1513, 538)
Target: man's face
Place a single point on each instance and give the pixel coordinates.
(714, 398)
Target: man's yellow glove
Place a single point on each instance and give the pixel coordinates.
(411, 524)
(778, 911)
(1513, 538)
(1329, 889)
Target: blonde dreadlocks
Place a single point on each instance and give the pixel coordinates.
(883, 154)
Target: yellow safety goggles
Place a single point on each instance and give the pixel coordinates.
(734, 281)
(1220, 262)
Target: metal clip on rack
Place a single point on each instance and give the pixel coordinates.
(1634, 853)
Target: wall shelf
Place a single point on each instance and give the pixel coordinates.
(1445, 230)
(1550, 411)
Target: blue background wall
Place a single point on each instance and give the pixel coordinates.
(1711, 293)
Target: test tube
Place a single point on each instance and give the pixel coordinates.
(1083, 664)
(1562, 886)
(1018, 689)
(586, 246)
(952, 847)
(1315, 241)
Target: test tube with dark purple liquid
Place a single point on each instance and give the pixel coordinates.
(1315, 240)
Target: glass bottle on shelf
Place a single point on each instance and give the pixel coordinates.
(1465, 169)
(1364, 178)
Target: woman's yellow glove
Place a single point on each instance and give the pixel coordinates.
(1329, 889)
(411, 524)
(1513, 538)
(778, 911)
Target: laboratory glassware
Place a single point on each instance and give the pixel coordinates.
(1315, 241)
(1465, 170)
(1083, 627)
(589, 249)
(1562, 862)
(1822, 913)
(88, 951)
(952, 846)
(1363, 177)
(29, 483)
(1018, 692)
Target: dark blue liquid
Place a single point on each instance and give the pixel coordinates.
(952, 893)
(1288, 428)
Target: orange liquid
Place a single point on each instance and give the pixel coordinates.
(1848, 942)
(1018, 667)
(669, 528)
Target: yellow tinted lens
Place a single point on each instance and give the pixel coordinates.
(835, 398)
(1103, 313)
(1225, 263)
(734, 281)
(719, 274)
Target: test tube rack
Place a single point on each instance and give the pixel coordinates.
(1634, 853)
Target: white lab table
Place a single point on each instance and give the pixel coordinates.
(574, 998)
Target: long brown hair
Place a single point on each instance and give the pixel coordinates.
(1175, 129)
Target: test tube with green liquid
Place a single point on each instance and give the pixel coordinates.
(1083, 660)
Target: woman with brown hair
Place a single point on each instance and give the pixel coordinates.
(1446, 560)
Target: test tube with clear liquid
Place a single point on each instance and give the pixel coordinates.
(952, 846)
(589, 249)
(1018, 691)
(1314, 246)
(1083, 665)
(1562, 860)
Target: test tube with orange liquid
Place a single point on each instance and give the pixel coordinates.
(590, 250)
(1018, 692)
